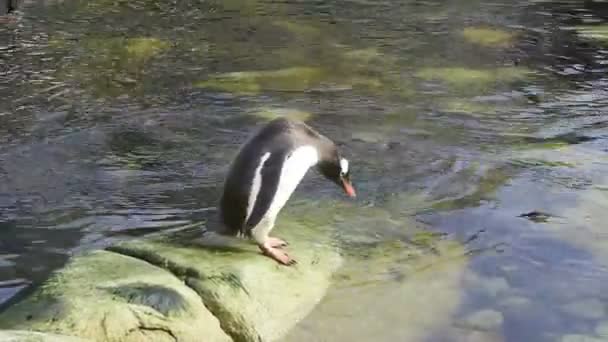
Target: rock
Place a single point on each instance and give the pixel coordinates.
(536, 216)
(392, 292)
(269, 114)
(480, 336)
(588, 308)
(602, 329)
(253, 82)
(515, 303)
(489, 37)
(469, 107)
(171, 287)
(581, 338)
(492, 286)
(112, 297)
(33, 336)
(473, 80)
(484, 320)
(596, 32)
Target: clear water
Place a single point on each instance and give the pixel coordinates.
(107, 131)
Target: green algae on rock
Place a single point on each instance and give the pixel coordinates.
(489, 37)
(299, 29)
(144, 48)
(469, 107)
(595, 32)
(473, 186)
(273, 113)
(33, 336)
(252, 82)
(111, 66)
(172, 286)
(484, 320)
(293, 79)
(473, 80)
(422, 296)
(104, 296)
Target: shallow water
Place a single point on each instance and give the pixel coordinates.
(120, 116)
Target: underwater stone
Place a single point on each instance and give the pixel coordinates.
(486, 36)
(396, 284)
(515, 302)
(588, 308)
(484, 320)
(602, 329)
(581, 338)
(473, 79)
(252, 82)
(273, 113)
(597, 32)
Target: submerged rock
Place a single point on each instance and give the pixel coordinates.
(537, 216)
(421, 297)
(484, 320)
(581, 338)
(515, 303)
(174, 287)
(602, 329)
(253, 82)
(269, 114)
(596, 32)
(473, 80)
(486, 36)
(589, 309)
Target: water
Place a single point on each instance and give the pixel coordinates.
(457, 116)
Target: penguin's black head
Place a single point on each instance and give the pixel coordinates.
(336, 169)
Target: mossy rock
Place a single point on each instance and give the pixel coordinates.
(595, 32)
(294, 79)
(33, 336)
(397, 285)
(473, 80)
(488, 37)
(111, 66)
(468, 107)
(299, 29)
(105, 296)
(253, 82)
(174, 286)
(268, 114)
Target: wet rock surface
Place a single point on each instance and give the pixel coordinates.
(171, 287)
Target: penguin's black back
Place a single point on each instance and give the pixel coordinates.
(279, 138)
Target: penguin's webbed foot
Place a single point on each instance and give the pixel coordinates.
(279, 255)
(276, 242)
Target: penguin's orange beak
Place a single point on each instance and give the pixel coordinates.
(348, 187)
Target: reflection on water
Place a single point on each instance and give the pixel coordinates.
(459, 117)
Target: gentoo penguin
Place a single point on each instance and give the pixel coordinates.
(264, 174)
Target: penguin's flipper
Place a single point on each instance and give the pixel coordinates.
(271, 177)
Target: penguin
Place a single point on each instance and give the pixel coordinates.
(264, 174)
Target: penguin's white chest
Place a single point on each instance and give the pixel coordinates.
(293, 170)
